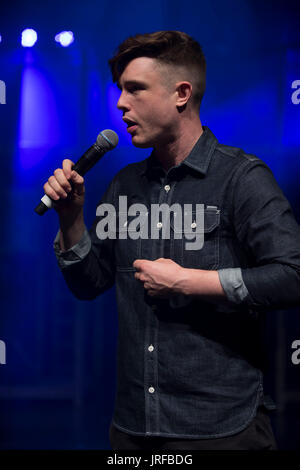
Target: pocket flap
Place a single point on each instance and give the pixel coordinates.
(211, 221)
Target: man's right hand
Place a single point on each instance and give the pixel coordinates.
(66, 188)
(59, 186)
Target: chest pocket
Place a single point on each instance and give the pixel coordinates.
(197, 247)
(128, 243)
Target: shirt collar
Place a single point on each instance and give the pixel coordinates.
(198, 159)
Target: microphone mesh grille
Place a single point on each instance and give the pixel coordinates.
(107, 139)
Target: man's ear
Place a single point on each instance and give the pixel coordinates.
(184, 92)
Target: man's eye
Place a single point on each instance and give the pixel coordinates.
(133, 89)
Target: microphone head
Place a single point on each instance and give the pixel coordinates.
(107, 139)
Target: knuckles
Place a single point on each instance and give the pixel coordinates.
(51, 179)
(68, 163)
(58, 171)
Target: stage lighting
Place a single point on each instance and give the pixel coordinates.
(0, 38)
(29, 37)
(65, 38)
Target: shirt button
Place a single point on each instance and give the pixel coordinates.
(151, 389)
(193, 225)
(167, 188)
(151, 348)
(159, 225)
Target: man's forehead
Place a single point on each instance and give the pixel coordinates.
(139, 68)
(147, 71)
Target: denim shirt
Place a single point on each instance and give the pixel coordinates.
(189, 367)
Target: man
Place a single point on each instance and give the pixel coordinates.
(190, 358)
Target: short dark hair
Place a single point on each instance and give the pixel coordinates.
(167, 47)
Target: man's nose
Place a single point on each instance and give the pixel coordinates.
(122, 104)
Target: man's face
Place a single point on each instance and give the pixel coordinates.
(148, 102)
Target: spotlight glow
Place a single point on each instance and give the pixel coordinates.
(29, 37)
(65, 38)
(0, 38)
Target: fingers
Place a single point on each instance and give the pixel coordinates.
(50, 191)
(67, 167)
(138, 264)
(63, 181)
(135, 264)
(70, 173)
(147, 284)
(57, 185)
(77, 182)
(139, 277)
(152, 293)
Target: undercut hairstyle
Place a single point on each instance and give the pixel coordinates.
(182, 55)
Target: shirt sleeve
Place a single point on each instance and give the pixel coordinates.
(233, 284)
(89, 266)
(74, 254)
(269, 235)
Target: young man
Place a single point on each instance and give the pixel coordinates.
(190, 358)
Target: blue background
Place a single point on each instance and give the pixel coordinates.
(57, 386)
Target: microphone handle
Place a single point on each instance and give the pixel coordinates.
(88, 160)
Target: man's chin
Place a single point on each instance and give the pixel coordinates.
(140, 144)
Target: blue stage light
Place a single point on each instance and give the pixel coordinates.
(0, 38)
(65, 38)
(29, 37)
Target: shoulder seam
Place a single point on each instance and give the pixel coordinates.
(249, 156)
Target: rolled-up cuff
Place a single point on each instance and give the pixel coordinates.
(74, 254)
(234, 287)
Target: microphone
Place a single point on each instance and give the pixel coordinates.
(106, 140)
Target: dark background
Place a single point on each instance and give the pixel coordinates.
(57, 386)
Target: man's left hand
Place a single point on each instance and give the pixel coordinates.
(161, 277)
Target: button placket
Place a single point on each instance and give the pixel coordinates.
(151, 372)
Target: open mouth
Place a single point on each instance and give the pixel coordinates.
(131, 127)
(129, 122)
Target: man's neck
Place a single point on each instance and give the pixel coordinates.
(176, 151)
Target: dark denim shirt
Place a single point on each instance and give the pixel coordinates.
(189, 367)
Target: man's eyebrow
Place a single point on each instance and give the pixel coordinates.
(131, 82)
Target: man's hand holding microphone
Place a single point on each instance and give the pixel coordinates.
(64, 190)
